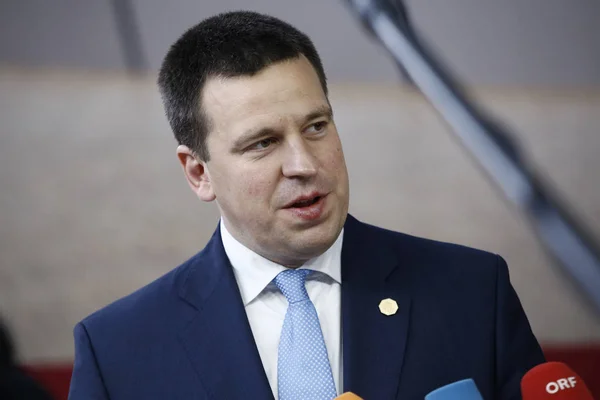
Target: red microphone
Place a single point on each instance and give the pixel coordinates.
(553, 381)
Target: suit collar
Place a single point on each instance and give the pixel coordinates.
(369, 244)
(373, 343)
(253, 272)
(227, 359)
(218, 338)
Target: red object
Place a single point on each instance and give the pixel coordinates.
(56, 378)
(584, 359)
(553, 380)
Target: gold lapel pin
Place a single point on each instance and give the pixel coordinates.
(388, 307)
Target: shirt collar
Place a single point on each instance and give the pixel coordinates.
(254, 272)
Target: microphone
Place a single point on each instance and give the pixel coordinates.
(553, 380)
(348, 396)
(461, 390)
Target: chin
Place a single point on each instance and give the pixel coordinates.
(315, 243)
(306, 251)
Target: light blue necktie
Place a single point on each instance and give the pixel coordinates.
(303, 370)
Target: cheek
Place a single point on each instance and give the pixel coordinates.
(256, 187)
(333, 160)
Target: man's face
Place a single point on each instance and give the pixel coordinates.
(276, 168)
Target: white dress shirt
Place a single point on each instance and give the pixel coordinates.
(266, 306)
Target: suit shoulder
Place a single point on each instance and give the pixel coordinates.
(444, 256)
(143, 304)
(421, 243)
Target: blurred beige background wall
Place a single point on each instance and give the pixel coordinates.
(497, 42)
(93, 204)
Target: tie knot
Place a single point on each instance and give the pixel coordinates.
(291, 283)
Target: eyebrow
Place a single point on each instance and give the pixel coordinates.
(250, 136)
(321, 111)
(253, 134)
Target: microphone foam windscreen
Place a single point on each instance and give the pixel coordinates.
(461, 390)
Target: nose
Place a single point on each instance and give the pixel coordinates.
(299, 160)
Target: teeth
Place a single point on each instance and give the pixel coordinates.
(306, 203)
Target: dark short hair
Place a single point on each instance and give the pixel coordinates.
(231, 44)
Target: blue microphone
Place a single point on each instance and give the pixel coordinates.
(461, 390)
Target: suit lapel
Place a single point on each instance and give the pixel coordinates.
(218, 338)
(373, 343)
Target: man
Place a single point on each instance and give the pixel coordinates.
(292, 297)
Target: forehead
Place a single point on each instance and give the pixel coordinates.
(287, 89)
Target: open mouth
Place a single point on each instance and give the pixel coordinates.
(306, 203)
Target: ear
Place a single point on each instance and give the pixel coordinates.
(196, 173)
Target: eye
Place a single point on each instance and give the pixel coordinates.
(317, 127)
(263, 144)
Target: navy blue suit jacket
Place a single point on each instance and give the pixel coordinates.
(186, 335)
